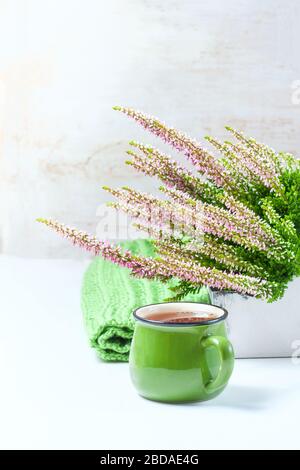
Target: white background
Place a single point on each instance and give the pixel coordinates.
(197, 64)
(56, 394)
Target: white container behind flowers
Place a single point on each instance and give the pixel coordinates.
(232, 225)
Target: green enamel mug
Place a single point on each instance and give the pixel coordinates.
(180, 362)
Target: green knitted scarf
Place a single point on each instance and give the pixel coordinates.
(110, 294)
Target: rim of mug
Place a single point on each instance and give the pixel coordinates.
(177, 325)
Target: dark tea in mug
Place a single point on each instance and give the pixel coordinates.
(180, 317)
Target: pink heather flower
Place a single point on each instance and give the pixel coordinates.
(202, 159)
(221, 223)
(166, 233)
(166, 169)
(140, 266)
(166, 268)
(153, 211)
(250, 163)
(259, 164)
(196, 220)
(179, 196)
(189, 270)
(225, 254)
(155, 163)
(241, 174)
(243, 213)
(205, 221)
(266, 152)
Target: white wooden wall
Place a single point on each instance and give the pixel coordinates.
(197, 64)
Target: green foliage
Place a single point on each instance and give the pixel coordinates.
(183, 289)
(282, 213)
(245, 204)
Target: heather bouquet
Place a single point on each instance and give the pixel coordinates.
(233, 224)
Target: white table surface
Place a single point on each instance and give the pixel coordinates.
(55, 393)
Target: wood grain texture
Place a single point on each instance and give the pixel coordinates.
(199, 65)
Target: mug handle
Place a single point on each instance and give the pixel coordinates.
(226, 354)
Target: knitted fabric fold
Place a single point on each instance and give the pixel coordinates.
(110, 294)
